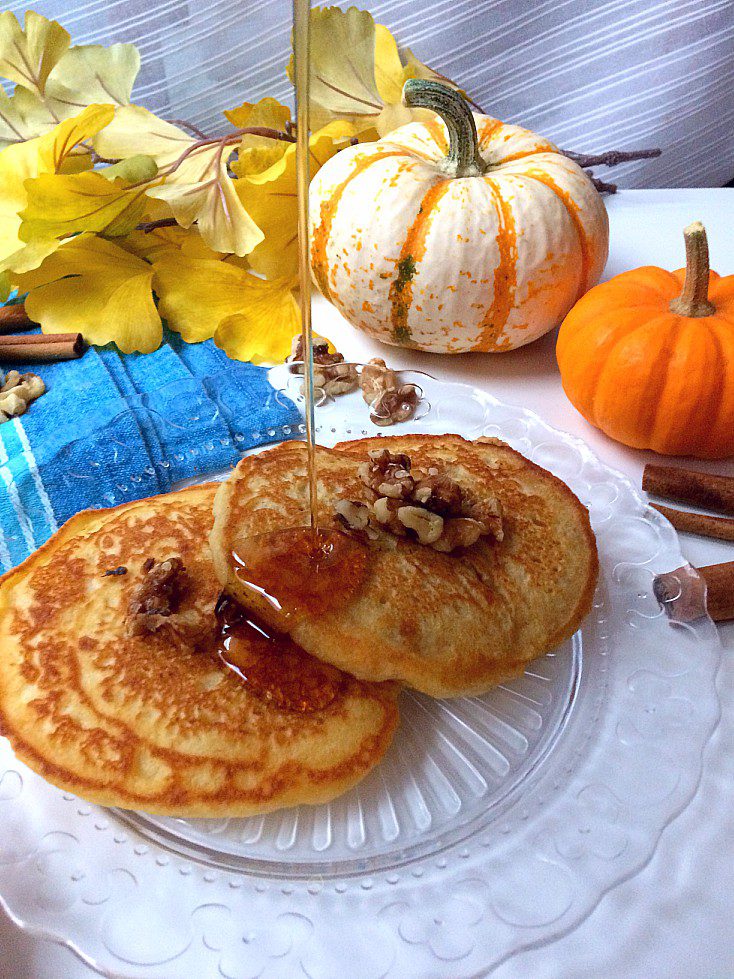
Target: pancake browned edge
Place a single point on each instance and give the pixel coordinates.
(158, 723)
(445, 624)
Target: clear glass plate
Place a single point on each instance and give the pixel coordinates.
(493, 823)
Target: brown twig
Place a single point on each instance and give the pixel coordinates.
(690, 486)
(722, 528)
(611, 158)
(40, 348)
(601, 185)
(183, 124)
(148, 226)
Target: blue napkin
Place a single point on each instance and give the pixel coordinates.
(114, 427)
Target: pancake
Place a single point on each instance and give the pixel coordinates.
(156, 721)
(445, 624)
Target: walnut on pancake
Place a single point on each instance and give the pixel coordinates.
(157, 597)
(426, 505)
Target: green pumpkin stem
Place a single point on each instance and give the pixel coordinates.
(463, 158)
(694, 300)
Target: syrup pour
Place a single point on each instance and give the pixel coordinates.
(271, 665)
(297, 572)
(301, 71)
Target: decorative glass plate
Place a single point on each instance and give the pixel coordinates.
(493, 823)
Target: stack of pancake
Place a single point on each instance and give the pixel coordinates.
(158, 719)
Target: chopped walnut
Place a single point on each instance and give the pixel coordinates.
(386, 511)
(439, 493)
(353, 515)
(377, 378)
(487, 512)
(17, 391)
(459, 532)
(389, 400)
(388, 474)
(395, 406)
(428, 526)
(330, 373)
(158, 596)
(427, 505)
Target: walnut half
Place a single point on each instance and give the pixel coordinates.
(389, 400)
(330, 373)
(158, 596)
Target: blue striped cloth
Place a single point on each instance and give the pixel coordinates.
(114, 427)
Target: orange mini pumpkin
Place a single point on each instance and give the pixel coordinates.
(652, 365)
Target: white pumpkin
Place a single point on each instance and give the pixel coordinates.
(455, 235)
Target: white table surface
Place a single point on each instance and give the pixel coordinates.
(674, 918)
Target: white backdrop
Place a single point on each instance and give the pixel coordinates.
(590, 74)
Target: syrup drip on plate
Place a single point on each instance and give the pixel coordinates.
(271, 665)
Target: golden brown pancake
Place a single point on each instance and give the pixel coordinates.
(157, 721)
(445, 624)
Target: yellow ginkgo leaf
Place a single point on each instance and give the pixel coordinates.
(342, 79)
(270, 199)
(264, 329)
(389, 72)
(24, 161)
(29, 54)
(357, 72)
(194, 183)
(91, 286)
(195, 294)
(54, 81)
(60, 205)
(257, 153)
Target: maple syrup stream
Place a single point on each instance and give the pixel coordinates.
(298, 571)
(301, 71)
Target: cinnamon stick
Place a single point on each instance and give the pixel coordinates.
(681, 594)
(689, 486)
(721, 528)
(13, 319)
(41, 348)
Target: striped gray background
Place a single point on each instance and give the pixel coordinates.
(589, 74)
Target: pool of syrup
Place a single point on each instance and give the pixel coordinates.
(300, 572)
(273, 667)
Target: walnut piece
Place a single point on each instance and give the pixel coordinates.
(330, 373)
(157, 597)
(389, 400)
(377, 378)
(428, 526)
(395, 406)
(459, 532)
(17, 392)
(353, 515)
(388, 474)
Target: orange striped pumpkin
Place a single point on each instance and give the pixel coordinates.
(462, 233)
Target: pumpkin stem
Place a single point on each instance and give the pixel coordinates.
(463, 158)
(694, 300)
